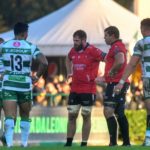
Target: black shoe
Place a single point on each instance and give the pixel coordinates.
(126, 144)
(83, 144)
(3, 140)
(111, 144)
(68, 145)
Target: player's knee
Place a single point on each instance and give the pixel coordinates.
(108, 112)
(73, 116)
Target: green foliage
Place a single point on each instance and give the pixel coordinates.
(129, 4)
(137, 125)
(27, 11)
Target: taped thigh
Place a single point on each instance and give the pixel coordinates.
(73, 108)
(86, 110)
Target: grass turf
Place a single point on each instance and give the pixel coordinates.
(61, 147)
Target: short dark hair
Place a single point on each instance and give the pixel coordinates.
(1, 40)
(146, 23)
(113, 30)
(20, 27)
(81, 34)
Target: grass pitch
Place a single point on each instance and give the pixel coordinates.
(61, 147)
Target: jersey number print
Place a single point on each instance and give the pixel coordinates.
(16, 62)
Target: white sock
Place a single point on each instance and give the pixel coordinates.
(9, 130)
(25, 129)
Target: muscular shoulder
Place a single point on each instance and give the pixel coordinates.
(118, 47)
(92, 49)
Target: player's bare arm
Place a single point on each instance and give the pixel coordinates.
(68, 67)
(42, 67)
(119, 61)
(128, 71)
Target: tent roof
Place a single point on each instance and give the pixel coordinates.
(53, 33)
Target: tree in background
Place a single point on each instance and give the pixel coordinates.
(126, 3)
(12, 11)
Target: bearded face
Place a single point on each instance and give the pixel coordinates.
(78, 47)
(77, 43)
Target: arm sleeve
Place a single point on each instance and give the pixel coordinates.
(98, 54)
(117, 50)
(137, 50)
(35, 51)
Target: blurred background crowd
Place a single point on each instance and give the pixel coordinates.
(54, 92)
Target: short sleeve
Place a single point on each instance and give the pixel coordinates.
(138, 48)
(117, 50)
(35, 51)
(97, 54)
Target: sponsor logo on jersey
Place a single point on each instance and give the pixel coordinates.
(16, 44)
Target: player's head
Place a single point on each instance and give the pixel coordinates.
(79, 39)
(145, 27)
(1, 40)
(111, 34)
(21, 29)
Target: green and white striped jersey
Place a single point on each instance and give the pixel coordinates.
(17, 59)
(142, 49)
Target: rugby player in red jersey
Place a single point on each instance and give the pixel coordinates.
(82, 65)
(114, 105)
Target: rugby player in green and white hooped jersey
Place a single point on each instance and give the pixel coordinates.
(141, 54)
(17, 57)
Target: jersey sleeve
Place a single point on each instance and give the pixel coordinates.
(137, 50)
(98, 54)
(35, 51)
(117, 50)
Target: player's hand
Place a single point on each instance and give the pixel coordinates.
(69, 78)
(99, 80)
(34, 79)
(118, 88)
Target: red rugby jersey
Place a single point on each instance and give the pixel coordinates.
(116, 47)
(85, 68)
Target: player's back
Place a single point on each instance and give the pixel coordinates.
(17, 58)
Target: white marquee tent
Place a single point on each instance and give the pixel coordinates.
(53, 33)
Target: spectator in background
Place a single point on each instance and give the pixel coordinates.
(65, 92)
(82, 65)
(53, 98)
(39, 90)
